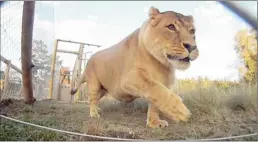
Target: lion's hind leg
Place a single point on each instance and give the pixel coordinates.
(153, 119)
(95, 93)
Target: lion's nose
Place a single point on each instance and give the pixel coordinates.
(189, 47)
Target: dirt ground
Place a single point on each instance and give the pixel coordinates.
(119, 120)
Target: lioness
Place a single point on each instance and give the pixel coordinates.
(143, 65)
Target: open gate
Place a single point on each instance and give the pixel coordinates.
(66, 78)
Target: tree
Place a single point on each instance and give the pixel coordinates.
(42, 61)
(246, 47)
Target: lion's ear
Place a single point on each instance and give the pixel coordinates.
(152, 15)
(190, 18)
(153, 12)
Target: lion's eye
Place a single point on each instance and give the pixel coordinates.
(171, 27)
(192, 31)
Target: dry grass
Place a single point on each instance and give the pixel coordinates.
(218, 111)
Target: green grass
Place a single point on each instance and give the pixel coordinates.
(210, 100)
(11, 131)
(218, 110)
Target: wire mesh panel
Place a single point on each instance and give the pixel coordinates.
(12, 87)
(11, 21)
(42, 47)
(43, 39)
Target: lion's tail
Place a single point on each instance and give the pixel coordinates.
(79, 83)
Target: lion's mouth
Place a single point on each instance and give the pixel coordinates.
(187, 59)
(170, 57)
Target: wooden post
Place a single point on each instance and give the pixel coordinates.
(50, 95)
(59, 85)
(11, 65)
(26, 47)
(79, 65)
(69, 78)
(65, 51)
(6, 78)
(78, 42)
(74, 74)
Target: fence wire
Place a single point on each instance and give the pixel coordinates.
(11, 20)
(43, 43)
(43, 40)
(14, 86)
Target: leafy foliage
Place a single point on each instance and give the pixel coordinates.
(246, 47)
(42, 61)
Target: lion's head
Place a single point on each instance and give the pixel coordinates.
(170, 38)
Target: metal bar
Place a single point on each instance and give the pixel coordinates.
(78, 42)
(87, 52)
(74, 73)
(58, 86)
(78, 93)
(65, 51)
(50, 95)
(82, 59)
(251, 20)
(66, 74)
(3, 59)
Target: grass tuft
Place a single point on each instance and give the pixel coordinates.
(219, 109)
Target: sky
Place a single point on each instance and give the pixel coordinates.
(106, 23)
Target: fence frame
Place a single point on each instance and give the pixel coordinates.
(9, 65)
(76, 69)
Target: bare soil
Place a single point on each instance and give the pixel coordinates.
(119, 120)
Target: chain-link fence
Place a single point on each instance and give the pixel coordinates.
(43, 38)
(11, 20)
(42, 50)
(13, 85)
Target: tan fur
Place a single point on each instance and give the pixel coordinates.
(139, 66)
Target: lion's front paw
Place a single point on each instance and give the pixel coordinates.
(157, 123)
(182, 114)
(176, 110)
